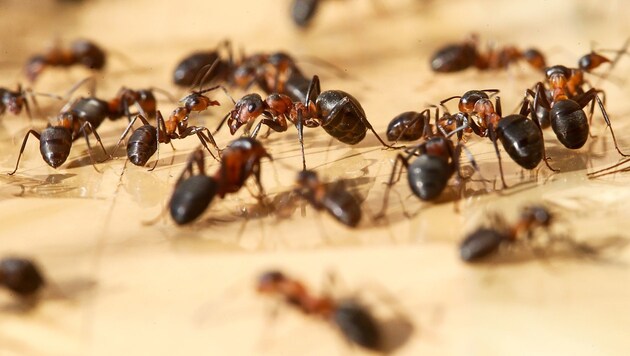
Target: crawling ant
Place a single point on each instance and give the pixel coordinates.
(333, 198)
(521, 137)
(194, 192)
(354, 320)
(458, 57)
(83, 52)
(486, 241)
(21, 276)
(14, 101)
(336, 111)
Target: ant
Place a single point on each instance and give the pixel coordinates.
(333, 198)
(521, 138)
(21, 276)
(438, 160)
(354, 320)
(408, 126)
(194, 192)
(336, 111)
(189, 69)
(457, 57)
(14, 101)
(82, 52)
(486, 241)
(562, 105)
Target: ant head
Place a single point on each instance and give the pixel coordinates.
(15, 103)
(248, 108)
(307, 178)
(268, 281)
(537, 213)
(591, 61)
(469, 99)
(535, 58)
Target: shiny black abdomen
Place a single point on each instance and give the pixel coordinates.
(428, 175)
(453, 58)
(480, 244)
(346, 125)
(190, 68)
(343, 206)
(55, 144)
(20, 276)
(191, 198)
(570, 124)
(522, 140)
(142, 145)
(357, 324)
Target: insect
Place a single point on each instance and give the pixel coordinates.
(337, 112)
(203, 67)
(521, 137)
(437, 161)
(194, 192)
(486, 241)
(14, 101)
(333, 198)
(21, 276)
(83, 52)
(408, 126)
(55, 141)
(354, 320)
(457, 57)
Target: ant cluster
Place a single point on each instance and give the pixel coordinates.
(290, 97)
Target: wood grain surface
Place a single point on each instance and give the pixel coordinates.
(124, 280)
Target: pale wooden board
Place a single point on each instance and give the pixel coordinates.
(121, 287)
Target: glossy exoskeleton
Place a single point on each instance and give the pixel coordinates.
(333, 198)
(203, 67)
(458, 57)
(194, 192)
(21, 276)
(408, 126)
(82, 52)
(354, 320)
(487, 240)
(336, 111)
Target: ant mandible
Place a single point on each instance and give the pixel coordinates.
(458, 57)
(354, 320)
(336, 111)
(194, 192)
(83, 52)
(521, 138)
(21, 276)
(333, 198)
(486, 241)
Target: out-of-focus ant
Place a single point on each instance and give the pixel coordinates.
(336, 111)
(203, 67)
(14, 101)
(355, 321)
(302, 11)
(521, 137)
(458, 57)
(21, 276)
(194, 192)
(83, 52)
(333, 198)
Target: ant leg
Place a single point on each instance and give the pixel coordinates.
(88, 125)
(414, 121)
(160, 126)
(225, 118)
(493, 138)
(196, 157)
(449, 99)
(124, 134)
(198, 130)
(590, 95)
(37, 136)
(600, 173)
(313, 91)
(393, 179)
(299, 125)
(532, 116)
(497, 106)
(540, 99)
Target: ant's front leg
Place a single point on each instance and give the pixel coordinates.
(276, 123)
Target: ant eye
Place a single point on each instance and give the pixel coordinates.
(251, 107)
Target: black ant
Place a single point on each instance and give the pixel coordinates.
(354, 320)
(561, 106)
(486, 241)
(194, 192)
(83, 52)
(438, 160)
(334, 198)
(189, 70)
(336, 111)
(458, 57)
(521, 138)
(21, 276)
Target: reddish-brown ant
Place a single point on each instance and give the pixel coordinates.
(194, 192)
(333, 198)
(336, 111)
(457, 57)
(14, 101)
(81, 52)
(21, 276)
(354, 320)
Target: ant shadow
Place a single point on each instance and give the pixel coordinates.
(46, 185)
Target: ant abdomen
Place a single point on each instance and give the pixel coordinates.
(569, 122)
(191, 198)
(55, 144)
(344, 207)
(408, 126)
(357, 324)
(522, 140)
(480, 243)
(454, 58)
(428, 175)
(341, 123)
(142, 145)
(20, 276)
(89, 54)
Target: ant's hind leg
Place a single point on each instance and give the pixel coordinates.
(37, 136)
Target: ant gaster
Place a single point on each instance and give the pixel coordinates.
(188, 72)
(355, 321)
(457, 57)
(21, 276)
(333, 198)
(194, 192)
(81, 52)
(336, 111)
(485, 241)
(408, 126)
